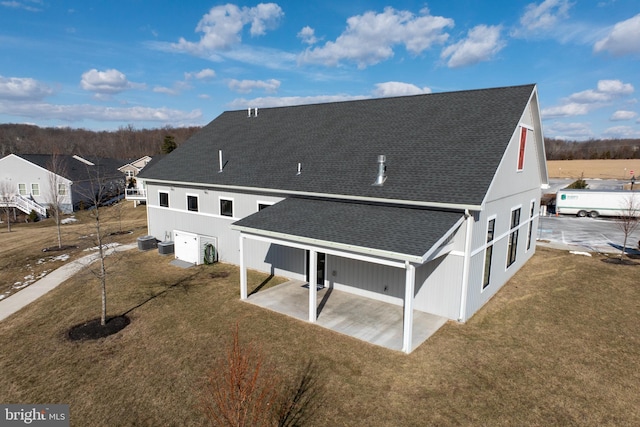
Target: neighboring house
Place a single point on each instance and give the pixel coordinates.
(32, 177)
(135, 189)
(428, 202)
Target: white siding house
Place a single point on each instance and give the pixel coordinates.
(429, 202)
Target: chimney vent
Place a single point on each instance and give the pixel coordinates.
(249, 112)
(382, 170)
(220, 160)
(255, 112)
(299, 169)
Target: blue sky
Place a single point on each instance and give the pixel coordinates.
(105, 64)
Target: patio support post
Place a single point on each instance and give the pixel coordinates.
(462, 317)
(243, 271)
(313, 291)
(407, 330)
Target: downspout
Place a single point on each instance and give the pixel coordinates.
(465, 267)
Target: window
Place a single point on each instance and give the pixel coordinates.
(523, 140)
(128, 174)
(62, 190)
(35, 189)
(22, 189)
(263, 206)
(192, 203)
(533, 207)
(164, 199)
(513, 237)
(491, 225)
(226, 207)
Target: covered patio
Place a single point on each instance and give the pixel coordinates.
(376, 322)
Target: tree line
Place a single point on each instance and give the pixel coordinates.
(130, 143)
(558, 149)
(125, 143)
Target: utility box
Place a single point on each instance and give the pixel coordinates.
(147, 242)
(166, 248)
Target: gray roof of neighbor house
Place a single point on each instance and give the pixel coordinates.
(439, 148)
(360, 227)
(75, 170)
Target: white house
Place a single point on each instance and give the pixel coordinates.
(429, 202)
(134, 189)
(41, 179)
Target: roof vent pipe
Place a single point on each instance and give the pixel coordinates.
(299, 169)
(382, 170)
(220, 160)
(255, 111)
(249, 112)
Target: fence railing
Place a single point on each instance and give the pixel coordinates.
(25, 205)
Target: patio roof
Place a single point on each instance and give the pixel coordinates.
(391, 231)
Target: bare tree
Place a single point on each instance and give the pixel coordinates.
(7, 195)
(57, 193)
(96, 189)
(627, 222)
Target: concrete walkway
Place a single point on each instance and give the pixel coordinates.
(26, 296)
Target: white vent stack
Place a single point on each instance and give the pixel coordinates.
(255, 112)
(220, 160)
(299, 169)
(382, 170)
(249, 112)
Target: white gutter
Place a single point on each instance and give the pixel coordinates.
(465, 268)
(453, 206)
(328, 244)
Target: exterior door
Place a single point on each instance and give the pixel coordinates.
(186, 246)
(320, 264)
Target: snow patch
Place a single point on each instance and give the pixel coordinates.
(580, 253)
(69, 220)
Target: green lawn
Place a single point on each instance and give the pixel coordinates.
(558, 345)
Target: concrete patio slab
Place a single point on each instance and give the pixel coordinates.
(363, 318)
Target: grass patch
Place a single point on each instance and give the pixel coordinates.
(558, 345)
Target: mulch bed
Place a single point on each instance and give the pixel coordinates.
(93, 330)
(119, 233)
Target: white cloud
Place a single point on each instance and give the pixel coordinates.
(606, 91)
(566, 110)
(621, 132)
(571, 131)
(79, 112)
(623, 39)
(308, 36)
(246, 86)
(23, 88)
(26, 5)
(223, 25)
(543, 17)
(581, 103)
(204, 96)
(204, 74)
(622, 115)
(166, 90)
(106, 82)
(482, 43)
(388, 89)
(266, 102)
(370, 38)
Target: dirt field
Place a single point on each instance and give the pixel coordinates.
(605, 169)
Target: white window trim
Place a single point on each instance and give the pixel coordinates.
(169, 200)
(511, 230)
(530, 225)
(37, 184)
(484, 249)
(233, 205)
(26, 192)
(186, 201)
(63, 187)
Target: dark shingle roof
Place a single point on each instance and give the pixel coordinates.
(76, 170)
(440, 148)
(400, 230)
